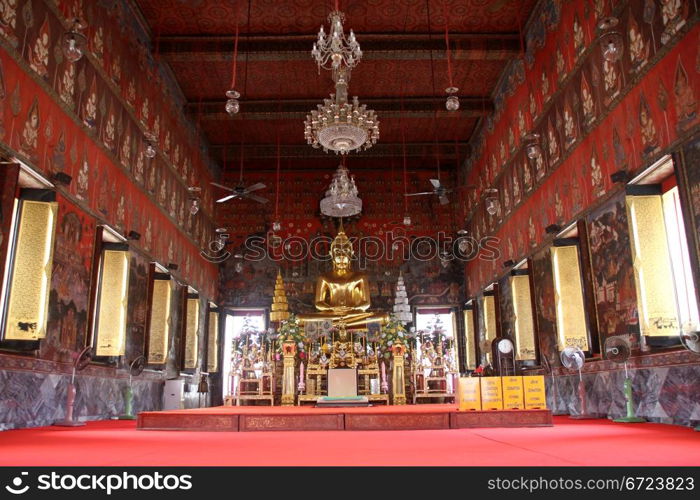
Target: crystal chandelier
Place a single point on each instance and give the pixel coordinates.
(334, 51)
(341, 198)
(338, 125)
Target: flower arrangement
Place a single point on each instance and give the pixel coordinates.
(291, 331)
(248, 335)
(392, 333)
(435, 332)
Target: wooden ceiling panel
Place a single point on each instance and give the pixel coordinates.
(402, 76)
(196, 17)
(261, 79)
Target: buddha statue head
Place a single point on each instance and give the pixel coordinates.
(341, 251)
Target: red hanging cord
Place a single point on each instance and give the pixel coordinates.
(235, 49)
(448, 52)
(241, 167)
(277, 189)
(405, 174)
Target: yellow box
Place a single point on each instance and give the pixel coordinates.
(491, 393)
(469, 394)
(535, 396)
(513, 393)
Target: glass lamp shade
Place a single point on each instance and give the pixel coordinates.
(612, 46)
(611, 43)
(452, 102)
(73, 45)
(150, 151)
(491, 206)
(194, 207)
(233, 106)
(533, 149)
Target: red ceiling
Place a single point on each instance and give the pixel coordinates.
(372, 78)
(403, 71)
(196, 17)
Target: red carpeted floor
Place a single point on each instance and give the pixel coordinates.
(568, 443)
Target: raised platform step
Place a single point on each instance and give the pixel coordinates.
(349, 402)
(338, 419)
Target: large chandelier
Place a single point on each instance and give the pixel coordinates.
(338, 125)
(341, 198)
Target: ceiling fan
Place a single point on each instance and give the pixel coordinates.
(438, 189)
(240, 191)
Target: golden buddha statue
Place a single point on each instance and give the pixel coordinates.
(343, 294)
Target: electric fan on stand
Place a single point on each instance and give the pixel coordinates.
(618, 349)
(135, 369)
(573, 358)
(549, 369)
(81, 361)
(691, 341)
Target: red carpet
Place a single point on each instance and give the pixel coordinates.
(568, 443)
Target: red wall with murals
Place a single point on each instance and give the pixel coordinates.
(89, 119)
(593, 119)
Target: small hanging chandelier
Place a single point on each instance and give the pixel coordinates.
(611, 43)
(341, 197)
(452, 102)
(233, 106)
(73, 42)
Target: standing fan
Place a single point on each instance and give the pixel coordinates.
(618, 349)
(504, 351)
(691, 341)
(573, 359)
(548, 369)
(81, 361)
(135, 369)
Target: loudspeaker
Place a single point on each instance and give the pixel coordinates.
(619, 176)
(552, 229)
(62, 178)
(133, 235)
(509, 263)
(172, 266)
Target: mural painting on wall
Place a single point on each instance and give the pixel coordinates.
(613, 273)
(544, 306)
(85, 119)
(70, 280)
(247, 283)
(8, 185)
(600, 115)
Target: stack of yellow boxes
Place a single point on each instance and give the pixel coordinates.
(501, 393)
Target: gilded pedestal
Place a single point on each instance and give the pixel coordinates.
(398, 383)
(288, 380)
